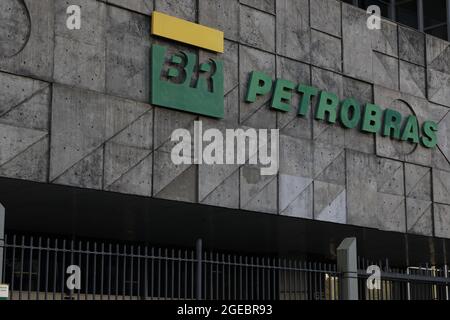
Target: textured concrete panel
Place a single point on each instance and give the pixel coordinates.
(326, 51)
(329, 164)
(226, 194)
(418, 182)
(137, 181)
(86, 173)
(141, 6)
(15, 27)
(14, 141)
(438, 56)
(258, 193)
(443, 152)
(439, 161)
(120, 159)
(264, 5)
(384, 40)
(26, 37)
(301, 206)
(357, 43)
(257, 114)
(31, 164)
(411, 45)
(166, 121)
(293, 33)
(419, 217)
(441, 186)
(223, 15)
(362, 195)
(326, 16)
(128, 55)
(296, 157)
(290, 123)
(441, 221)
(412, 79)
(186, 9)
(231, 66)
(390, 177)
(257, 29)
(363, 93)
(24, 102)
(329, 202)
(385, 71)
(295, 196)
(80, 56)
(392, 214)
(24, 125)
(82, 121)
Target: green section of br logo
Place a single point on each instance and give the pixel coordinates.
(180, 82)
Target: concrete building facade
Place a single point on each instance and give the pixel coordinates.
(75, 109)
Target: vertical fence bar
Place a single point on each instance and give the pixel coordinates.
(131, 272)
(146, 272)
(166, 257)
(38, 284)
(72, 252)
(86, 289)
(22, 253)
(139, 295)
(124, 274)
(101, 271)
(179, 264)
(199, 252)
(217, 276)
(153, 273)
(30, 270)
(109, 270)
(2, 244)
(47, 262)
(63, 272)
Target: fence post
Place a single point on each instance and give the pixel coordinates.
(199, 257)
(347, 266)
(2, 238)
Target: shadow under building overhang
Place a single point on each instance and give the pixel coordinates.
(36, 208)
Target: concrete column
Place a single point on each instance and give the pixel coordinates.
(347, 266)
(391, 10)
(2, 239)
(420, 22)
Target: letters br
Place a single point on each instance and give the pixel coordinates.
(180, 82)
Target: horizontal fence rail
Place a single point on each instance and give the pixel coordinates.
(36, 269)
(414, 283)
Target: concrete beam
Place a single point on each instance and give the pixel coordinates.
(347, 266)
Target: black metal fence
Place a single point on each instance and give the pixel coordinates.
(36, 269)
(414, 283)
